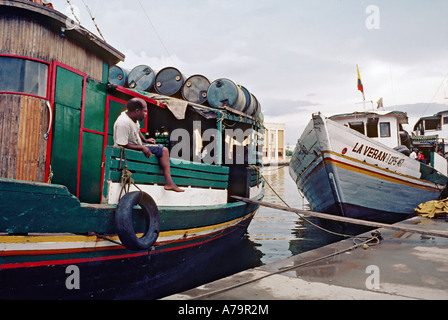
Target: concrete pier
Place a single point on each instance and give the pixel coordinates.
(403, 265)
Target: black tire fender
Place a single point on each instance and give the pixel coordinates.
(124, 224)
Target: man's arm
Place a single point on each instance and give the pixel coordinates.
(141, 148)
(150, 140)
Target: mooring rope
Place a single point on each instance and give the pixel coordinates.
(302, 216)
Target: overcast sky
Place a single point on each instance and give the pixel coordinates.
(297, 57)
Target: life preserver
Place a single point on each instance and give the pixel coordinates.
(124, 225)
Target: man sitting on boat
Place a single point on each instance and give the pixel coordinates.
(127, 134)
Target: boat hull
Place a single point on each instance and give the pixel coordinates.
(345, 173)
(49, 264)
(117, 274)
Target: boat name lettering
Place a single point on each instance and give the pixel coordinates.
(377, 155)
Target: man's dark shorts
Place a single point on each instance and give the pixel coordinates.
(156, 149)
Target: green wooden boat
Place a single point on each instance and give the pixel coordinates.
(70, 227)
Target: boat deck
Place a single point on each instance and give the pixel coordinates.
(403, 265)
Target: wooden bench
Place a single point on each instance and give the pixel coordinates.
(148, 172)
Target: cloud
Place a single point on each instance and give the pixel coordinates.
(281, 107)
(296, 56)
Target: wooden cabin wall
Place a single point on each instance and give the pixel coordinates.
(23, 124)
(29, 38)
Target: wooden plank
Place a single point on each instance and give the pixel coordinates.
(3, 143)
(140, 157)
(27, 37)
(42, 149)
(175, 171)
(365, 223)
(140, 178)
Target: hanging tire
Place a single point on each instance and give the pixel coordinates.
(124, 224)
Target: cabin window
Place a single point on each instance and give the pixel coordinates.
(372, 127)
(445, 120)
(23, 76)
(358, 126)
(385, 129)
(432, 124)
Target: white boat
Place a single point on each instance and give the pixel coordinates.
(346, 165)
(431, 133)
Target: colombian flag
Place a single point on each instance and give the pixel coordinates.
(380, 103)
(360, 86)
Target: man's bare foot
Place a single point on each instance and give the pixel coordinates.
(174, 188)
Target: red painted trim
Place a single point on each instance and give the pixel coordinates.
(113, 257)
(50, 137)
(54, 67)
(93, 131)
(145, 129)
(36, 60)
(24, 57)
(106, 133)
(81, 129)
(54, 252)
(25, 94)
(138, 95)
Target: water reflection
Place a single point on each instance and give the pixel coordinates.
(280, 234)
(273, 235)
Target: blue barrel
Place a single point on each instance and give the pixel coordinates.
(141, 78)
(169, 81)
(118, 76)
(195, 89)
(224, 92)
(257, 108)
(261, 117)
(251, 102)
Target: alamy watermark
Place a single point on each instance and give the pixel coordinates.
(239, 146)
(73, 281)
(373, 280)
(373, 21)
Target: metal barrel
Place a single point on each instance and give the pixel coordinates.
(141, 78)
(261, 117)
(251, 102)
(257, 108)
(195, 89)
(118, 76)
(169, 81)
(224, 92)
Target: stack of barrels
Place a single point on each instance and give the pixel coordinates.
(195, 89)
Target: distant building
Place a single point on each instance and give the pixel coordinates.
(274, 150)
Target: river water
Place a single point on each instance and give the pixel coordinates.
(273, 235)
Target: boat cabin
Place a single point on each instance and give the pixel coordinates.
(436, 125)
(430, 136)
(383, 126)
(57, 111)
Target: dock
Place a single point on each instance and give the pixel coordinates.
(391, 265)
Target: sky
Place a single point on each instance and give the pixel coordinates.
(297, 57)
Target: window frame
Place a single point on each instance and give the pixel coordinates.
(47, 94)
(381, 131)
